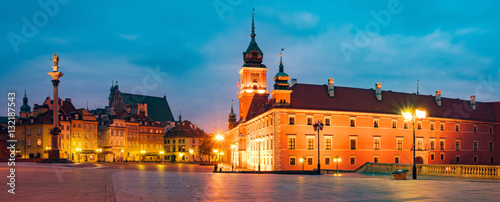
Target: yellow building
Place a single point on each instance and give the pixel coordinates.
(182, 143)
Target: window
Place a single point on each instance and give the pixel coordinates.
(310, 142)
(399, 142)
(291, 120)
(475, 145)
(490, 146)
(29, 143)
(441, 144)
(420, 144)
(491, 130)
(475, 129)
(353, 143)
(442, 126)
(432, 157)
(394, 124)
(173, 149)
(194, 141)
(39, 142)
(376, 143)
(292, 160)
(433, 144)
(291, 142)
(405, 125)
(457, 158)
(168, 141)
(375, 123)
(74, 134)
(328, 143)
(457, 127)
(352, 160)
(457, 145)
(432, 126)
(475, 158)
(442, 156)
(327, 121)
(86, 135)
(375, 159)
(173, 141)
(419, 125)
(396, 159)
(309, 160)
(327, 160)
(492, 159)
(353, 121)
(309, 120)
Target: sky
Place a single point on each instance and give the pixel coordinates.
(190, 51)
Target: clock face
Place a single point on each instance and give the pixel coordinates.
(255, 78)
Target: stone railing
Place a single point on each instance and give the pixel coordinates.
(478, 171)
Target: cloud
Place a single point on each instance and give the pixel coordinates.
(130, 37)
(301, 20)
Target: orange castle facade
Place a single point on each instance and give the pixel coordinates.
(360, 125)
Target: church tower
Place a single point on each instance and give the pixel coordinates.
(253, 89)
(231, 120)
(25, 109)
(281, 92)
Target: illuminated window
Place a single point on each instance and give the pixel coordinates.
(376, 143)
(74, 134)
(328, 143)
(291, 142)
(399, 142)
(292, 160)
(86, 135)
(310, 142)
(29, 143)
(39, 142)
(29, 131)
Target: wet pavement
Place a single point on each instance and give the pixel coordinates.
(181, 182)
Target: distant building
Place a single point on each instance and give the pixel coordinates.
(360, 125)
(183, 141)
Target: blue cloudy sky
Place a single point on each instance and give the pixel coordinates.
(191, 50)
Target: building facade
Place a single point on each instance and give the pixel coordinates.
(182, 143)
(360, 125)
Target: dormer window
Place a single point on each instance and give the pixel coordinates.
(254, 54)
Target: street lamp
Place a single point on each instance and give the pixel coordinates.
(337, 161)
(192, 153)
(78, 151)
(411, 116)
(259, 140)
(181, 154)
(161, 156)
(317, 127)
(98, 154)
(302, 161)
(142, 154)
(232, 156)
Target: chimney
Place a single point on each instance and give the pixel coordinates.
(472, 102)
(331, 90)
(293, 81)
(438, 98)
(378, 91)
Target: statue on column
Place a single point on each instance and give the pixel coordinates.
(55, 59)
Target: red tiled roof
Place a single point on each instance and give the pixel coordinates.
(307, 96)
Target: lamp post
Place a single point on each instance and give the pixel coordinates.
(232, 156)
(411, 116)
(142, 154)
(259, 140)
(181, 154)
(337, 161)
(219, 138)
(161, 155)
(78, 151)
(302, 161)
(192, 154)
(317, 127)
(216, 153)
(98, 154)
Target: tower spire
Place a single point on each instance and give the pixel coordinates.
(281, 60)
(253, 26)
(232, 110)
(417, 87)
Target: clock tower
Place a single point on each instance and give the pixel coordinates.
(253, 89)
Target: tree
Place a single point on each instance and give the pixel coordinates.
(206, 147)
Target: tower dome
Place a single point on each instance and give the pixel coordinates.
(281, 78)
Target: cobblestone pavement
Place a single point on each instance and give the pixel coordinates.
(177, 182)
